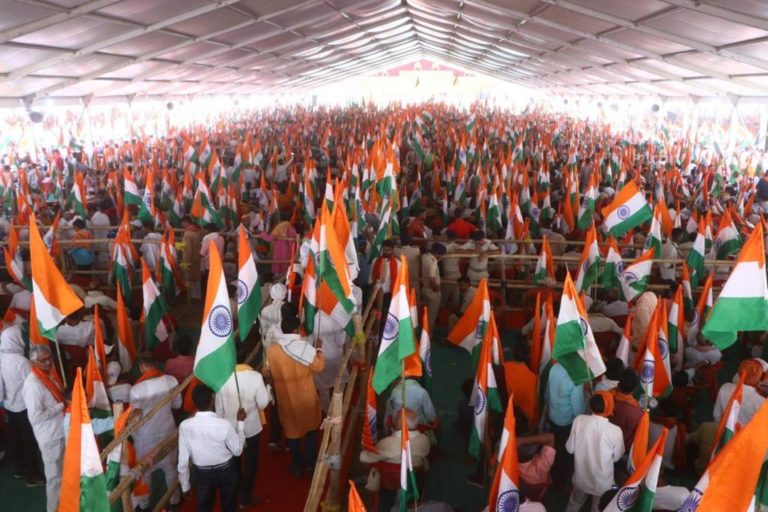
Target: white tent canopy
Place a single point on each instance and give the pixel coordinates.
(68, 49)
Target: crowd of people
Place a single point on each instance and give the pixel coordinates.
(489, 211)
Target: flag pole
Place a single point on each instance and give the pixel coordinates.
(237, 387)
(61, 364)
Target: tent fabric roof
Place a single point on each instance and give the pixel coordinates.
(76, 48)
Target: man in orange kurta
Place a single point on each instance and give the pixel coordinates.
(291, 362)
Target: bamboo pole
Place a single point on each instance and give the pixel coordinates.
(131, 429)
(157, 453)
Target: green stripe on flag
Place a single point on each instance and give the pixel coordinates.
(634, 220)
(732, 314)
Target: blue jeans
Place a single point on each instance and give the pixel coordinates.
(302, 459)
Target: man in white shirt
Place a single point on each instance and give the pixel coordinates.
(389, 447)
(150, 245)
(430, 283)
(596, 445)
(669, 252)
(14, 369)
(100, 226)
(751, 401)
(478, 264)
(149, 389)
(45, 402)
(77, 330)
(211, 444)
(270, 314)
(252, 398)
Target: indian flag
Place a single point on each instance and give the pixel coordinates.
(635, 277)
(169, 275)
(686, 285)
(654, 377)
(589, 266)
(469, 331)
(696, 257)
(83, 485)
(703, 306)
(614, 266)
(729, 423)
(155, 309)
(485, 394)
(215, 356)
(308, 300)
(54, 299)
(505, 490)
(398, 341)
(125, 345)
(628, 209)
(248, 289)
(638, 492)
(95, 391)
(14, 265)
(544, 265)
(493, 215)
(408, 489)
(676, 325)
(130, 190)
(425, 350)
(731, 478)
(727, 240)
(78, 198)
(743, 301)
(587, 209)
(115, 457)
(639, 448)
(653, 240)
(575, 346)
(203, 208)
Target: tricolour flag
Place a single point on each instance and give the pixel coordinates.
(485, 394)
(727, 240)
(635, 277)
(215, 357)
(155, 309)
(505, 490)
(687, 291)
(575, 346)
(589, 266)
(614, 266)
(696, 257)
(638, 492)
(729, 423)
(743, 301)
(622, 351)
(703, 306)
(114, 459)
(54, 299)
(544, 265)
(14, 265)
(370, 421)
(248, 288)
(628, 209)
(730, 480)
(95, 391)
(398, 341)
(169, 274)
(653, 240)
(125, 346)
(425, 350)
(408, 489)
(469, 331)
(130, 190)
(654, 376)
(587, 208)
(355, 503)
(639, 448)
(83, 485)
(676, 326)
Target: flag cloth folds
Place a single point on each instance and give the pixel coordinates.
(743, 301)
(505, 490)
(485, 394)
(622, 351)
(469, 331)
(215, 356)
(544, 265)
(125, 346)
(727, 240)
(589, 266)
(614, 266)
(95, 391)
(54, 299)
(637, 275)
(248, 288)
(730, 480)
(398, 340)
(83, 484)
(639, 490)
(370, 419)
(425, 351)
(729, 423)
(695, 260)
(628, 209)
(155, 309)
(14, 265)
(355, 503)
(408, 489)
(654, 376)
(639, 448)
(575, 346)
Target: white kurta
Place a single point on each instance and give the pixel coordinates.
(750, 402)
(253, 397)
(596, 445)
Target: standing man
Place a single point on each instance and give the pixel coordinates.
(565, 401)
(430, 282)
(44, 399)
(212, 444)
(252, 399)
(190, 261)
(451, 272)
(478, 264)
(149, 389)
(292, 361)
(14, 369)
(384, 271)
(150, 244)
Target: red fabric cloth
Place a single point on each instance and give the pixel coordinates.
(626, 416)
(462, 228)
(180, 367)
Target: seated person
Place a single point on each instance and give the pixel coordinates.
(701, 354)
(614, 305)
(610, 378)
(626, 410)
(417, 399)
(751, 372)
(535, 455)
(389, 447)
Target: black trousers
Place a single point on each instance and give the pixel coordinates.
(562, 469)
(23, 445)
(210, 479)
(249, 466)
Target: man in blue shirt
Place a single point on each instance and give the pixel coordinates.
(565, 401)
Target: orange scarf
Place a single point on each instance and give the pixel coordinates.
(625, 398)
(51, 381)
(152, 373)
(608, 401)
(378, 265)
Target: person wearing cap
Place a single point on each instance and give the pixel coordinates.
(430, 282)
(478, 264)
(270, 314)
(250, 394)
(190, 256)
(119, 390)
